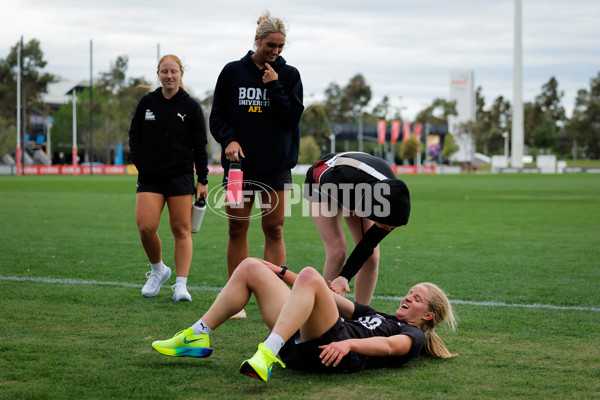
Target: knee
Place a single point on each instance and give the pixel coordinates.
(247, 264)
(146, 229)
(243, 271)
(181, 232)
(374, 258)
(273, 230)
(309, 276)
(237, 228)
(248, 269)
(337, 254)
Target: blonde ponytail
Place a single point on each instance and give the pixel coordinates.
(440, 306)
(435, 347)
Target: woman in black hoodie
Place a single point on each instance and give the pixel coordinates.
(167, 139)
(255, 116)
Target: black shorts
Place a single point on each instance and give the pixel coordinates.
(265, 181)
(311, 190)
(175, 185)
(304, 356)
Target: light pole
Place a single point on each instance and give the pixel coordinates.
(19, 163)
(517, 106)
(360, 130)
(74, 148)
(505, 136)
(332, 141)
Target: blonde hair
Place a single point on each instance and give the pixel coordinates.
(177, 60)
(440, 306)
(266, 25)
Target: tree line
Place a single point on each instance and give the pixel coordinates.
(547, 129)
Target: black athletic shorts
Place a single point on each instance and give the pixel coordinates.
(304, 356)
(265, 181)
(311, 190)
(175, 185)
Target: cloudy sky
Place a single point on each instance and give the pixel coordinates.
(405, 49)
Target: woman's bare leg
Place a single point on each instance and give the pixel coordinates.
(329, 225)
(273, 217)
(180, 217)
(251, 276)
(237, 244)
(310, 308)
(148, 208)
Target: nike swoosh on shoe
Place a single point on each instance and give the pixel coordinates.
(186, 341)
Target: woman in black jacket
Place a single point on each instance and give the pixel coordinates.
(255, 116)
(167, 140)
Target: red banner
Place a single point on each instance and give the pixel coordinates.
(418, 129)
(381, 125)
(18, 157)
(70, 170)
(406, 130)
(75, 170)
(395, 131)
(414, 169)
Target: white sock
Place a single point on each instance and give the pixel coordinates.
(200, 327)
(158, 267)
(274, 342)
(181, 280)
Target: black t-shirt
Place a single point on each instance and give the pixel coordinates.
(366, 322)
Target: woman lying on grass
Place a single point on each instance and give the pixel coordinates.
(314, 329)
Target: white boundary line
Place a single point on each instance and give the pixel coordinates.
(217, 289)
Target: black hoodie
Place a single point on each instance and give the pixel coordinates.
(263, 118)
(168, 136)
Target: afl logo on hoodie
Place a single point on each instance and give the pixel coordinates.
(149, 115)
(253, 97)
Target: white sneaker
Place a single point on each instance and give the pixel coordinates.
(181, 293)
(155, 281)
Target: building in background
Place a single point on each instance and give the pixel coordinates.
(462, 90)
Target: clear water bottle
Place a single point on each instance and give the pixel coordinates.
(198, 209)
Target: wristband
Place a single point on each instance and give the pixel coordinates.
(282, 273)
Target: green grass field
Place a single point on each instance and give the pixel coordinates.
(518, 254)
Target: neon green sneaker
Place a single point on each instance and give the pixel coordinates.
(261, 364)
(185, 344)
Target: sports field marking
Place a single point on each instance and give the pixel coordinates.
(217, 289)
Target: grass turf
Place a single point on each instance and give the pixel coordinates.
(518, 253)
